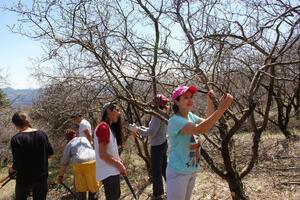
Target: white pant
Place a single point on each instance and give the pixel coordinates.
(179, 186)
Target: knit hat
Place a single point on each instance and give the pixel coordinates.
(161, 100)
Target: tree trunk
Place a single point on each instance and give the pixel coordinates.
(283, 118)
(285, 131)
(236, 187)
(297, 110)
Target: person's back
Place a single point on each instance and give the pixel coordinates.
(85, 128)
(81, 155)
(30, 152)
(78, 150)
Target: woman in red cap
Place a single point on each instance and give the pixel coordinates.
(183, 161)
(156, 133)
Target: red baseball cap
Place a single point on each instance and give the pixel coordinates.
(180, 90)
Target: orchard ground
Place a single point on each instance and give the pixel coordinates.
(276, 176)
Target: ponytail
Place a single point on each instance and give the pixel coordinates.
(21, 119)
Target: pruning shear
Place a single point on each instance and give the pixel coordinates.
(6, 179)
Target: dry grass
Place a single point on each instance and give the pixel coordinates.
(7, 191)
(275, 177)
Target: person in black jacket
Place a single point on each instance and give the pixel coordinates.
(30, 150)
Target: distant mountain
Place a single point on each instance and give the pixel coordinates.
(21, 97)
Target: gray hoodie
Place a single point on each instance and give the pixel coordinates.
(156, 131)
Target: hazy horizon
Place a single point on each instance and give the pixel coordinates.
(16, 52)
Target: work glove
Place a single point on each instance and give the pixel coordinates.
(133, 127)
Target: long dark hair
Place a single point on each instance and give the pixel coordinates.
(175, 108)
(115, 127)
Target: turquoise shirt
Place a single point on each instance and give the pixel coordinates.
(182, 158)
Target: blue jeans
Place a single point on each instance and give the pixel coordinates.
(158, 166)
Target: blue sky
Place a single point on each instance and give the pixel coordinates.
(16, 52)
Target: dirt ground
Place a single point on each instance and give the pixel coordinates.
(276, 176)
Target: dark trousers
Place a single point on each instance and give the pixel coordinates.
(91, 196)
(158, 165)
(112, 187)
(39, 190)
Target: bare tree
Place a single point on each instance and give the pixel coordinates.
(232, 32)
(135, 49)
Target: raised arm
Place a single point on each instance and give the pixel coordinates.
(152, 129)
(204, 126)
